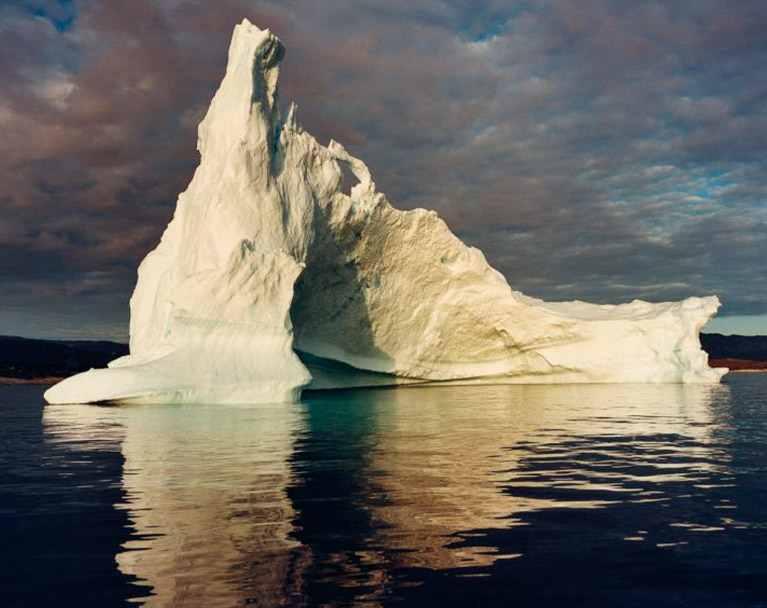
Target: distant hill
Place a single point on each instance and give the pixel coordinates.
(738, 365)
(26, 358)
(717, 346)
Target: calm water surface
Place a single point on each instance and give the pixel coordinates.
(453, 496)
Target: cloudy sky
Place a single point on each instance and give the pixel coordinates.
(597, 150)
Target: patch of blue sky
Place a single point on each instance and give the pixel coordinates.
(481, 28)
(61, 13)
(743, 325)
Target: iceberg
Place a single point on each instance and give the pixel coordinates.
(271, 279)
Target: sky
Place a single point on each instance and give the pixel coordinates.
(595, 150)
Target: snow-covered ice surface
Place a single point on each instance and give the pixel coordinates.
(266, 259)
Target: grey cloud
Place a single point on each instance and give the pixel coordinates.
(602, 150)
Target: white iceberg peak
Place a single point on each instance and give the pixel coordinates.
(266, 257)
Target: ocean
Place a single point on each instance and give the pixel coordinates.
(530, 496)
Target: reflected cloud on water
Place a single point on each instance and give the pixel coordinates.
(366, 496)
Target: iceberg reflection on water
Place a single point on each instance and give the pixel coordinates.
(384, 494)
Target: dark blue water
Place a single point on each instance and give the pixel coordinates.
(591, 496)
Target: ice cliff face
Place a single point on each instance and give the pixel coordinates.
(266, 257)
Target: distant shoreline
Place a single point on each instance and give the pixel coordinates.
(737, 366)
(6, 381)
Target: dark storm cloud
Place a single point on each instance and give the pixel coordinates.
(598, 150)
